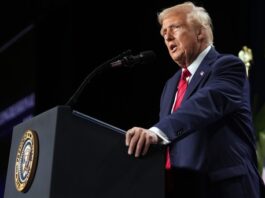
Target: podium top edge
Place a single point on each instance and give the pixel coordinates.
(86, 117)
(94, 120)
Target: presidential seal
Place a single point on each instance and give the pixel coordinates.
(26, 160)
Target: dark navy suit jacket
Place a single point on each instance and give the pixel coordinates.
(212, 130)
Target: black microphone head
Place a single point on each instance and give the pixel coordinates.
(144, 57)
(147, 57)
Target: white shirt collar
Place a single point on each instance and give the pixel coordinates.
(195, 64)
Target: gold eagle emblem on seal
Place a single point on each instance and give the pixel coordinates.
(26, 160)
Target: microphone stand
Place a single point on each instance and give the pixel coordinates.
(98, 69)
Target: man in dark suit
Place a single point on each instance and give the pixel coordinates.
(209, 131)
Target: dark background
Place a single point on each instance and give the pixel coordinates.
(48, 47)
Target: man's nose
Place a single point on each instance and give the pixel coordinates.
(168, 36)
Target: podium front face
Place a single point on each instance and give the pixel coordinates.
(64, 153)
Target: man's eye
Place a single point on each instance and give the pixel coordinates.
(175, 27)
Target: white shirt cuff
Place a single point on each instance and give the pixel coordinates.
(161, 135)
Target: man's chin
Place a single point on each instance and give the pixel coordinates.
(178, 60)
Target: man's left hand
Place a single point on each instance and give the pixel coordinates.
(139, 139)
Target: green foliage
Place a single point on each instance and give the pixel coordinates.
(259, 119)
(261, 150)
(259, 124)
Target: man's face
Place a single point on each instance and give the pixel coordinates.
(181, 39)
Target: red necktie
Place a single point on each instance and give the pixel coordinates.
(182, 87)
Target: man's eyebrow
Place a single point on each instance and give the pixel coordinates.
(163, 29)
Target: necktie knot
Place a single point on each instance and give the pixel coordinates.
(185, 74)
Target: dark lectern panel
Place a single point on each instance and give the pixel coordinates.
(81, 156)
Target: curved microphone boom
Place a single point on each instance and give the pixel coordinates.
(97, 70)
(124, 59)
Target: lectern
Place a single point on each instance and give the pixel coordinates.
(63, 153)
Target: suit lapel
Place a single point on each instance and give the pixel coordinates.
(201, 73)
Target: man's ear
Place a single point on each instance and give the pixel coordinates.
(199, 33)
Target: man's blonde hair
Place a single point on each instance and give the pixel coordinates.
(196, 15)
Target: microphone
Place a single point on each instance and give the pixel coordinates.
(124, 59)
(144, 57)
